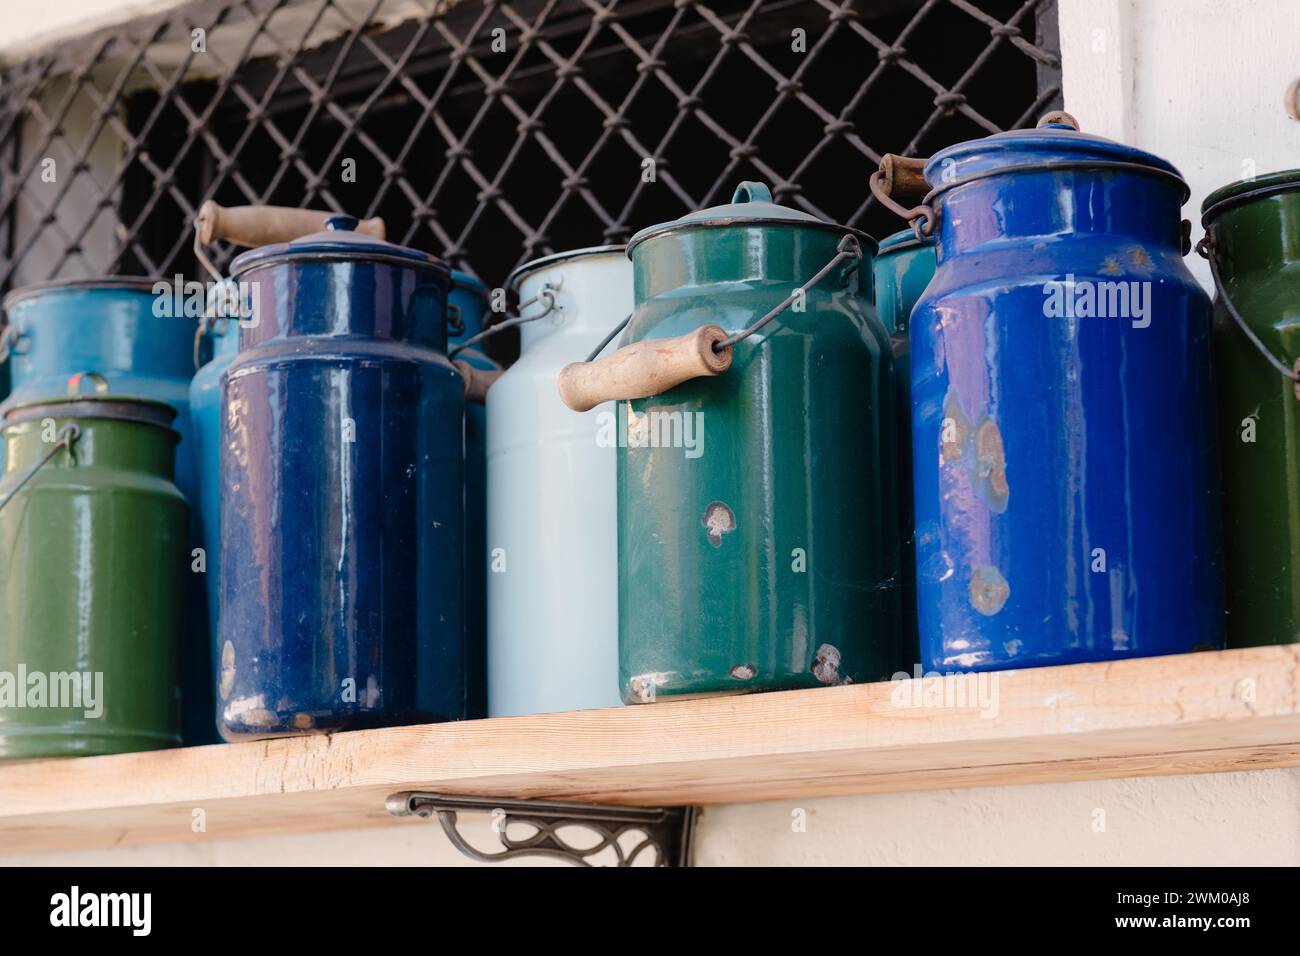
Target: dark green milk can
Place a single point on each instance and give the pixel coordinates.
(93, 558)
(903, 268)
(1252, 240)
(755, 423)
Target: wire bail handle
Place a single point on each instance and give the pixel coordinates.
(654, 366)
(10, 336)
(904, 176)
(64, 438)
(1207, 250)
(545, 294)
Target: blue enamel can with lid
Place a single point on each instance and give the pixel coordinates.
(1065, 475)
(342, 492)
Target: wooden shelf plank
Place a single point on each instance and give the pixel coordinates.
(1194, 713)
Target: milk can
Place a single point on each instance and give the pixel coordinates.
(93, 559)
(205, 424)
(139, 333)
(1066, 483)
(215, 345)
(1252, 240)
(342, 492)
(552, 532)
(468, 309)
(903, 268)
(757, 538)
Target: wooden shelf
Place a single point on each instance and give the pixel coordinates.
(1195, 713)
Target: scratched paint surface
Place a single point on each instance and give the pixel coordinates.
(770, 561)
(1066, 484)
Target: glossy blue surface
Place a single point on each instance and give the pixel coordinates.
(342, 500)
(112, 326)
(469, 304)
(205, 426)
(1066, 482)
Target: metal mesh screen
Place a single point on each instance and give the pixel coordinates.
(491, 132)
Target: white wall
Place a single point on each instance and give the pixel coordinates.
(1199, 82)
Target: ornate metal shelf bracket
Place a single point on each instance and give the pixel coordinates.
(625, 833)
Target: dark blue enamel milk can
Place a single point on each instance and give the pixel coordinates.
(1066, 486)
(342, 492)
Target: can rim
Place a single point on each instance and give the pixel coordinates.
(244, 265)
(139, 283)
(653, 232)
(125, 408)
(1062, 165)
(1247, 190)
(517, 274)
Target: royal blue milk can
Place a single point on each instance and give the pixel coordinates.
(342, 492)
(1065, 478)
(139, 334)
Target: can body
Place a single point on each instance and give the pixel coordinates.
(1256, 232)
(342, 497)
(140, 338)
(758, 546)
(553, 579)
(903, 268)
(468, 302)
(92, 562)
(205, 426)
(1066, 483)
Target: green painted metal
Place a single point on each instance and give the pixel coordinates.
(1255, 228)
(765, 557)
(903, 268)
(92, 564)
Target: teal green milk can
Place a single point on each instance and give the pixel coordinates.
(903, 268)
(755, 431)
(93, 561)
(1252, 241)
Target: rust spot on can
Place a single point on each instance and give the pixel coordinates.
(1111, 267)
(989, 590)
(826, 665)
(991, 465)
(718, 520)
(643, 687)
(1141, 258)
(304, 721)
(744, 671)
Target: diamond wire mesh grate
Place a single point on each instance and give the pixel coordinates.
(491, 132)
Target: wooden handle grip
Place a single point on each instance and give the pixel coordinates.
(642, 369)
(904, 177)
(254, 226)
(477, 380)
